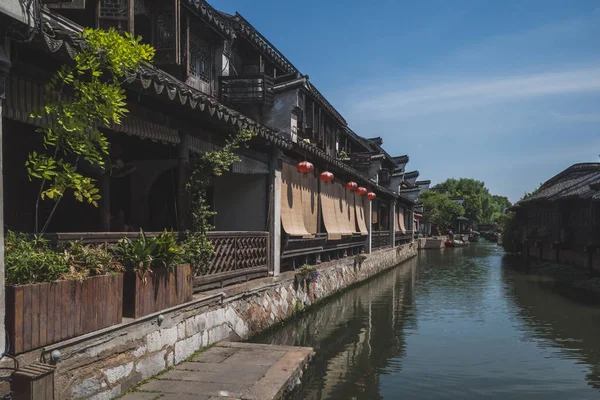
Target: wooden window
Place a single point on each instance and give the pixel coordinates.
(200, 60)
(118, 14)
(166, 35)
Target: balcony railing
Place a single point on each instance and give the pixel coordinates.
(238, 256)
(380, 239)
(249, 89)
(402, 238)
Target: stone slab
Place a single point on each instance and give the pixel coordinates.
(244, 371)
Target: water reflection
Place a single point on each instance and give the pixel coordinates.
(569, 327)
(455, 323)
(355, 334)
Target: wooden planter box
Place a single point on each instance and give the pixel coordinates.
(163, 289)
(41, 314)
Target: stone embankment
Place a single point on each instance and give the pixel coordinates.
(104, 364)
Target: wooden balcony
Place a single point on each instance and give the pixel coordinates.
(249, 89)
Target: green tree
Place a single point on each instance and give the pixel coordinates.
(82, 98)
(439, 210)
(480, 206)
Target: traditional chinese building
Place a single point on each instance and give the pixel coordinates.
(213, 74)
(561, 221)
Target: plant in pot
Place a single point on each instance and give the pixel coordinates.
(306, 273)
(54, 294)
(154, 280)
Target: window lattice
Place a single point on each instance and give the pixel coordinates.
(200, 65)
(114, 8)
(164, 30)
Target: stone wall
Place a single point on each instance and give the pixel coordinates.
(104, 364)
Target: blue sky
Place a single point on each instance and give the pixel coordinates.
(507, 92)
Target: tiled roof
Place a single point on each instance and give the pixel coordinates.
(215, 19)
(63, 34)
(574, 182)
(411, 175)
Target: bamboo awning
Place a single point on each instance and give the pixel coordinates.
(400, 220)
(342, 210)
(333, 208)
(359, 207)
(310, 201)
(292, 211)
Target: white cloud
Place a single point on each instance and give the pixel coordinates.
(402, 103)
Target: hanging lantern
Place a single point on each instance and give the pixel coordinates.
(361, 190)
(351, 186)
(305, 167)
(326, 176)
(371, 196)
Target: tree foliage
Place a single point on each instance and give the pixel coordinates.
(480, 206)
(82, 98)
(440, 210)
(198, 249)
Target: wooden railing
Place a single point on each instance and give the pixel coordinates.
(401, 238)
(380, 239)
(238, 256)
(246, 89)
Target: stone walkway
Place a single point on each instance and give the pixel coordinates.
(230, 370)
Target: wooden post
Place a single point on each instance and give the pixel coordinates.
(105, 189)
(4, 69)
(183, 176)
(590, 249)
(369, 222)
(391, 225)
(275, 215)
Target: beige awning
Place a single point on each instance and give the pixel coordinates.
(292, 211)
(374, 212)
(341, 209)
(351, 212)
(400, 220)
(359, 206)
(309, 185)
(329, 207)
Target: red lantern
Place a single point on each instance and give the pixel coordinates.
(351, 186)
(305, 167)
(326, 176)
(371, 196)
(361, 190)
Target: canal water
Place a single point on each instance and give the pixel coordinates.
(450, 324)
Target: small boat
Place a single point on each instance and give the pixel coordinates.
(455, 243)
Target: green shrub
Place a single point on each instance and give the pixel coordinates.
(143, 254)
(31, 260)
(89, 260)
(197, 250)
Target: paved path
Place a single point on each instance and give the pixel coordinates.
(230, 370)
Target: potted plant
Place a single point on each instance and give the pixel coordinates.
(56, 294)
(154, 278)
(306, 274)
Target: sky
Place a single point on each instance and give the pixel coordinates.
(507, 92)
